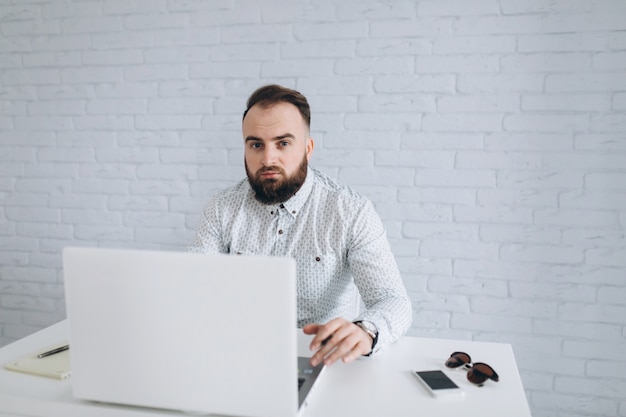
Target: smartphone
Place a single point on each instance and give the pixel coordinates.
(437, 383)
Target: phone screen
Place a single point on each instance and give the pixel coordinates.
(436, 380)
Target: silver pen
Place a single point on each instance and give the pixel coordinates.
(54, 351)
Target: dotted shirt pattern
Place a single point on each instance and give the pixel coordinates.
(337, 240)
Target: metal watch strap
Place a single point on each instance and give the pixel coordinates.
(370, 333)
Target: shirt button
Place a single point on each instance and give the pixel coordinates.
(280, 232)
(282, 206)
(293, 212)
(317, 258)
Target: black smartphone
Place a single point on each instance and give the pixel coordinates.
(437, 383)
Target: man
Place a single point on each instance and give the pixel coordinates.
(285, 208)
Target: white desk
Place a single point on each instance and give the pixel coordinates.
(381, 386)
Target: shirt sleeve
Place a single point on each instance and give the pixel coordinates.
(377, 277)
(208, 237)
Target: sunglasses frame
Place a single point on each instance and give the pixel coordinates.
(474, 374)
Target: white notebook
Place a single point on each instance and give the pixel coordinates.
(53, 366)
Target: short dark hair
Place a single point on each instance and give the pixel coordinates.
(272, 94)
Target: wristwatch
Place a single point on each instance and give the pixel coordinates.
(369, 328)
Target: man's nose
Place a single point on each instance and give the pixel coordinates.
(269, 156)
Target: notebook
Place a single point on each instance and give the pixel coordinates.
(198, 333)
(53, 366)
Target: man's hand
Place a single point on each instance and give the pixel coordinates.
(337, 339)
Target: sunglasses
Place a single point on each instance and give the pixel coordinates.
(477, 373)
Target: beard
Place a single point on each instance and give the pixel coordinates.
(274, 191)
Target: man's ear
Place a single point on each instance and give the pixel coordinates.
(310, 144)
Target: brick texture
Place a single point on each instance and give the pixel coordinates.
(490, 134)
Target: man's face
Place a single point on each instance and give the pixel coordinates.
(277, 148)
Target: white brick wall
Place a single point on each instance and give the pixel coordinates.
(491, 134)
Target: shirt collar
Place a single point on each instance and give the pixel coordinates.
(295, 203)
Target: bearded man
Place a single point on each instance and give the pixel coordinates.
(286, 208)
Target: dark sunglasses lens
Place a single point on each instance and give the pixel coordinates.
(480, 372)
(458, 359)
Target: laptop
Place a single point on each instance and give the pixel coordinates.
(197, 333)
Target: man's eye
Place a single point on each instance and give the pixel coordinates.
(284, 143)
(256, 146)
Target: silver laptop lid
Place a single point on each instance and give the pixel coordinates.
(183, 331)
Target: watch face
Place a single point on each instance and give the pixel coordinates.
(369, 326)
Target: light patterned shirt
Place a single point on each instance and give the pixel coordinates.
(338, 242)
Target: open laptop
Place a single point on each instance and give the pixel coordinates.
(198, 333)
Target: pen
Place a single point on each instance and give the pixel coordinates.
(53, 351)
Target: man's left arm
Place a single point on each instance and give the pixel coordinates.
(387, 305)
(376, 274)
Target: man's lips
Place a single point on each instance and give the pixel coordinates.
(269, 174)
